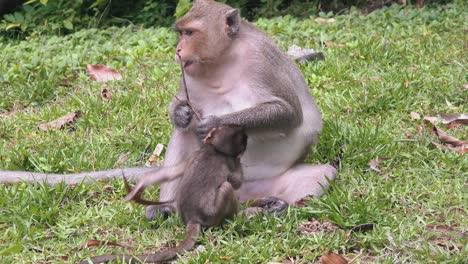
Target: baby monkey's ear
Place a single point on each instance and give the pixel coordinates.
(210, 137)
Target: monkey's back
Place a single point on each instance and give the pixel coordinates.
(199, 186)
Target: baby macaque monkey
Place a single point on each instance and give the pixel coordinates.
(205, 196)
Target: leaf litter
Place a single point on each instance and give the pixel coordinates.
(67, 120)
(448, 142)
(102, 73)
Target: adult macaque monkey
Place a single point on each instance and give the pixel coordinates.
(236, 75)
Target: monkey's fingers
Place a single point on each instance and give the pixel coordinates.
(133, 194)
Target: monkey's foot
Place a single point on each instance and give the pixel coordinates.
(251, 212)
(153, 211)
(273, 205)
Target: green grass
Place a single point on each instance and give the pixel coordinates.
(394, 61)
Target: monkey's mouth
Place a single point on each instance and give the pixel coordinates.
(187, 64)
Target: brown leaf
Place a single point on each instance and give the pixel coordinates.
(332, 258)
(95, 243)
(102, 73)
(325, 20)
(108, 187)
(333, 44)
(415, 116)
(448, 119)
(122, 158)
(461, 149)
(359, 228)
(447, 139)
(106, 94)
(444, 243)
(315, 226)
(61, 122)
(455, 124)
(373, 164)
(451, 143)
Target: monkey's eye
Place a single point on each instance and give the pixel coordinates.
(187, 32)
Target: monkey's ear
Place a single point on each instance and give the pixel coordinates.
(209, 138)
(233, 21)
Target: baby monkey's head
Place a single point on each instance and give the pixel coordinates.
(228, 140)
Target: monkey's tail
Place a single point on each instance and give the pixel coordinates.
(192, 229)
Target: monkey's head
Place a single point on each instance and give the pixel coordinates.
(228, 140)
(206, 32)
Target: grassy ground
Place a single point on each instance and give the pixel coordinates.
(392, 62)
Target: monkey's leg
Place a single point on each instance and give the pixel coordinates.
(160, 175)
(296, 183)
(165, 210)
(182, 144)
(219, 204)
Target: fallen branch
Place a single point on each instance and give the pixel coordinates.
(133, 174)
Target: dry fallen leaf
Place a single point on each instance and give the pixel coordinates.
(333, 44)
(451, 143)
(325, 20)
(359, 228)
(102, 73)
(448, 119)
(95, 243)
(447, 139)
(415, 116)
(122, 158)
(461, 149)
(61, 122)
(106, 94)
(107, 187)
(332, 258)
(373, 164)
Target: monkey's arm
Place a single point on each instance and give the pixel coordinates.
(236, 176)
(161, 175)
(272, 115)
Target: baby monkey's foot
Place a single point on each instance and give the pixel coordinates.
(153, 211)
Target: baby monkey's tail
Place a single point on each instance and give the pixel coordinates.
(192, 229)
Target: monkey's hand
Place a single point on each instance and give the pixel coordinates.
(205, 126)
(135, 193)
(182, 115)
